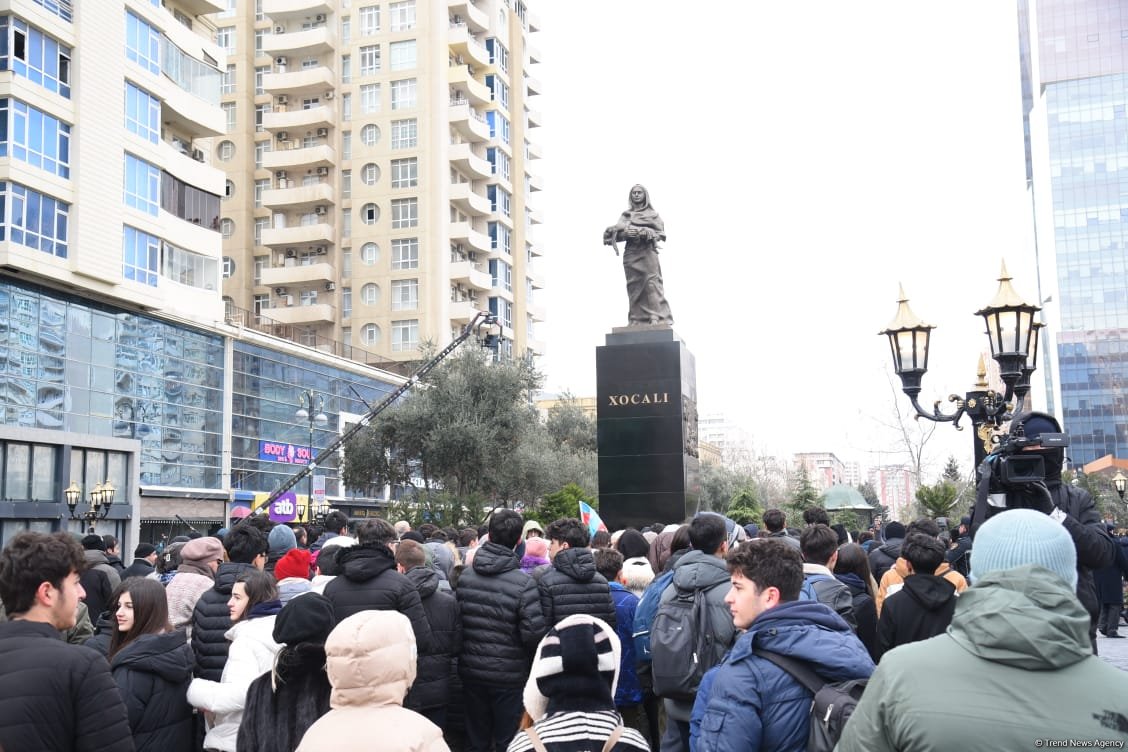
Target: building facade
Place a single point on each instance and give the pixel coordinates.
(823, 468)
(1074, 64)
(378, 164)
(896, 489)
(120, 367)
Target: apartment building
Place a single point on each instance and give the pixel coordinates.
(379, 164)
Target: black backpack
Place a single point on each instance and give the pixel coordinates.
(833, 702)
(681, 645)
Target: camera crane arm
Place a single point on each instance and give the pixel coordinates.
(481, 319)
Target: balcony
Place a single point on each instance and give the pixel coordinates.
(532, 20)
(536, 280)
(536, 250)
(463, 196)
(305, 42)
(533, 150)
(534, 86)
(314, 81)
(536, 183)
(296, 274)
(535, 345)
(318, 313)
(470, 275)
(536, 311)
(298, 197)
(462, 42)
(297, 118)
(467, 235)
(280, 10)
(474, 17)
(179, 162)
(536, 217)
(463, 311)
(470, 123)
(536, 120)
(463, 82)
(318, 234)
(291, 154)
(463, 157)
(534, 54)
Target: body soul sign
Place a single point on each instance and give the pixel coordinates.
(651, 398)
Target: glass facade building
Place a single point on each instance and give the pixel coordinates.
(1074, 59)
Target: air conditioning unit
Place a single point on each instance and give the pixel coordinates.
(279, 29)
(282, 99)
(288, 300)
(291, 253)
(330, 286)
(281, 61)
(322, 170)
(283, 136)
(280, 291)
(280, 175)
(329, 94)
(322, 132)
(319, 210)
(321, 250)
(198, 155)
(320, 18)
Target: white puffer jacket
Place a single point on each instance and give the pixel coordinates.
(252, 654)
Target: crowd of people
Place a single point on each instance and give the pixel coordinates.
(703, 635)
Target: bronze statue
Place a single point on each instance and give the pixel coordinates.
(641, 228)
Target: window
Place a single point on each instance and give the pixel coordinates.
(227, 84)
(33, 219)
(187, 268)
(142, 113)
(402, 15)
(405, 294)
(402, 55)
(228, 189)
(227, 151)
(346, 263)
(370, 334)
(346, 144)
(346, 107)
(34, 137)
(499, 56)
(369, 20)
(499, 90)
(140, 253)
(370, 173)
(405, 213)
(260, 113)
(227, 264)
(370, 98)
(346, 183)
(500, 200)
(308, 297)
(260, 304)
(346, 223)
(260, 36)
(370, 60)
(309, 63)
(405, 134)
(226, 227)
(225, 39)
(370, 134)
(346, 30)
(346, 302)
(261, 223)
(405, 173)
(142, 43)
(261, 147)
(189, 203)
(403, 94)
(369, 254)
(370, 294)
(405, 253)
(229, 113)
(261, 263)
(405, 335)
(370, 214)
(142, 184)
(61, 8)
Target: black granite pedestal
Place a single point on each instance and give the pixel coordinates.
(646, 387)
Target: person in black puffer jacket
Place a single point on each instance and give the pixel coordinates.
(152, 666)
(883, 557)
(501, 627)
(369, 581)
(246, 549)
(430, 694)
(572, 585)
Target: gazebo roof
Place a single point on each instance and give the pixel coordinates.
(843, 496)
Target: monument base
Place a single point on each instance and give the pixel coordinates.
(646, 414)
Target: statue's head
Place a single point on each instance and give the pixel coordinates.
(640, 199)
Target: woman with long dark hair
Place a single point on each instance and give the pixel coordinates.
(853, 569)
(152, 665)
(253, 606)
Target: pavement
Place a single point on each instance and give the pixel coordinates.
(1114, 651)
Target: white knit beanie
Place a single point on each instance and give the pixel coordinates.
(1018, 537)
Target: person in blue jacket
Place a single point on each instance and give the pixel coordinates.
(747, 702)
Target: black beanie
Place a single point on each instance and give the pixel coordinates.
(632, 544)
(309, 617)
(894, 530)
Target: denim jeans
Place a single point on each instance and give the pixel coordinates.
(492, 716)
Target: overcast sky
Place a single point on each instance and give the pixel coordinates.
(806, 158)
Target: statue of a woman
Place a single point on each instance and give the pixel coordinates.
(641, 228)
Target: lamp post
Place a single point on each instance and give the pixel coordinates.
(100, 499)
(1013, 335)
(311, 408)
(1120, 483)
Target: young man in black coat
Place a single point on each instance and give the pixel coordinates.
(572, 585)
(429, 695)
(924, 605)
(52, 695)
(246, 549)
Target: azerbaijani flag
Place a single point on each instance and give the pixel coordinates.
(590, 517)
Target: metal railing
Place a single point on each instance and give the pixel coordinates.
(299, 335)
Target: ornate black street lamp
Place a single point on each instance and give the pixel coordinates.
(100, 499)
(1013, 335)
(1120, 483)
(311, 408)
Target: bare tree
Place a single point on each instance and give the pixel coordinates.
(910, 433)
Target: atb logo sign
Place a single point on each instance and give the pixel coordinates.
(284, 508)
